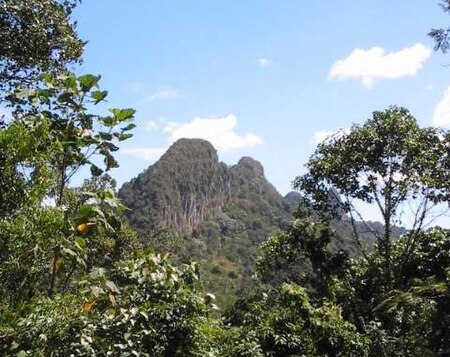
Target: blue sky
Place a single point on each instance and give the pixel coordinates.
(264, 79)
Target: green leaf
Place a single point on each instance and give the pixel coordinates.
(107, 146)
(109, 121)
(105, 136)
(71, 83)
(88, 81)
(123, 137)
(129, 127)
(96, 171)
(80, 242)
(123, 114)
(99, 96)
(86, 211)
(70, 252)
(67, 98)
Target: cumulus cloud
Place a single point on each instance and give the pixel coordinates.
(221, 132)
(374, 63)
(164, 94)
(441, 116)
(323, 136)
(264, 62)
(146, 154)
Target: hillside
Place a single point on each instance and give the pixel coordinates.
(203, 209)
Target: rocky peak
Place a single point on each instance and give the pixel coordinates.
(192, 149)
(188, 186)
(251, 166)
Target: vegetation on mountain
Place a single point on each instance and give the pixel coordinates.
(392, 299)
(239, 210)
(207, 211)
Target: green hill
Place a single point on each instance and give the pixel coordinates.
(201, 209)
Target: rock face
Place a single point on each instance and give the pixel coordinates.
(185, 187)
(189, 186)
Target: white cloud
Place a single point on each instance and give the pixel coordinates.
(171, 126)
(264, 62)
(164, 94)
(146, 154)
(151, 125)
(441, 116)
(322, 136)
(372, 64)
(221, 132)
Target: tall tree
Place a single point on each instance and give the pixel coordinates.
(389, 161)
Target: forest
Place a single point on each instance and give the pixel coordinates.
(85, 270)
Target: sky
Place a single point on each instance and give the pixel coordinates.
(264, 78)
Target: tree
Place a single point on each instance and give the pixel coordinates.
(49, 224)
(36, 36)
(302, 254)
(390, 162)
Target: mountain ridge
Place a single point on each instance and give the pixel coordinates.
(188, 185)
(198, 208)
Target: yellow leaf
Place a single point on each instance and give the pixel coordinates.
(83, 227)
(87, 306)
(58, 263)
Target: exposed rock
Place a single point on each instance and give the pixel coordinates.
(189, 186)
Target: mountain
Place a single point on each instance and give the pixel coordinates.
(186, 187)
(199, 208)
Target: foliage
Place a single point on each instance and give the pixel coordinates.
(302, 254)
(143, 306)
(36, 36)
(75, 281)
(441, 35)
(412, 316)
(389, 161)
(285, 323)
(50, 232)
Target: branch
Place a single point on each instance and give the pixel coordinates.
(355, 232)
